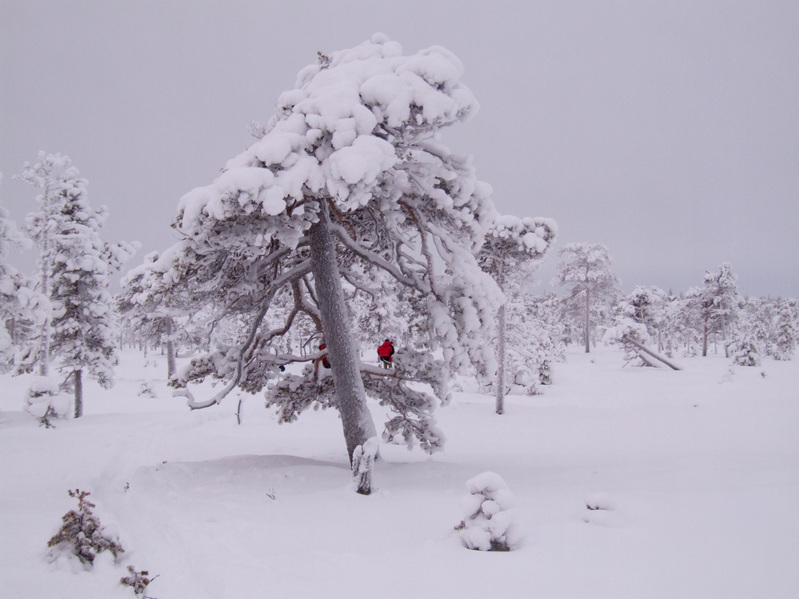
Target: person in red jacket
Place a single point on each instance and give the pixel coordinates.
(323, 360)
(384, 353)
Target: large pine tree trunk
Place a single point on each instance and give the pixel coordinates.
(78, 380)
(351, 397)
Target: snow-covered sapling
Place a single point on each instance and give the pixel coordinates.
(138, 581)
(82, 535)
(146, 390)
(745, 353)
(45, 401)
(488, 524)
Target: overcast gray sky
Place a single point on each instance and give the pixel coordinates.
(668, 130)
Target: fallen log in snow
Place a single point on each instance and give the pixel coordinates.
(649, 352)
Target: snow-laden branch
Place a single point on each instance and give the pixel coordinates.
(431, 267)
(358, 284)
(373, 258)
(292, 275)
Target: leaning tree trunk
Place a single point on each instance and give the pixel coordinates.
(78, 381)
(350, 394)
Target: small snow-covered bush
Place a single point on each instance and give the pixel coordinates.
(488, 524)
(746, 353)
(146, 390)
(138, 581)
(45, 401)
(81, 534)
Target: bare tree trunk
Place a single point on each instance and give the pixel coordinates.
(500, 383)
(724, 337)
(501, 355)
(47, 327)
(587, 319)
(704, 338)
(170, 349)
(44, 358)
(78, 381)
(351, 397)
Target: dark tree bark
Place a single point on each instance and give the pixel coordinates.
(78, 380)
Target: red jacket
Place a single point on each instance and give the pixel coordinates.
(386, 350)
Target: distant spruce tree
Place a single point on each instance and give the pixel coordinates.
(720, 305)
(587, 269)
(74, 269)
(785, 331)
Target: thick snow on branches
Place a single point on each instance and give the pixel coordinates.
(351, 164)
(513, 249)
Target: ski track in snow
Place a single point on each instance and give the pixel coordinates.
(628, 483)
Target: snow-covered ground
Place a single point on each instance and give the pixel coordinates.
(695, 474)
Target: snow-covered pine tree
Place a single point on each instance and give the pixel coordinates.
(784, 331)
(22, 309)
(720, 305)
(647, 306)
(586, 267)
(146, 308)
(512, 250)
(549, 343)
(74, 267)
(689, 321)
(639, 317)
(349, 179)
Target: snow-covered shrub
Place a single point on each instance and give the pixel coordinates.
(600, 510)
(146, 390)
(138, 581)
(488, 524)
(745, 353)
(45, 400)
(82, 535)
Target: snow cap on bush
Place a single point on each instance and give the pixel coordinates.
(44, 400)
(488, 524)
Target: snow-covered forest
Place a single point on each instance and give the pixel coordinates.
(584, 441)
